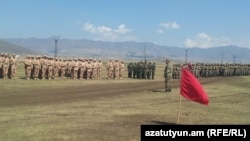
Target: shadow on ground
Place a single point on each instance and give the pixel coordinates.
(163, 123)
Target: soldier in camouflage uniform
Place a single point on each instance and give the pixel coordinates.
(116, 69)
(89, 69)
(139, 70)
(130, 70)
(50, 68)
(145, 69)
(121, 69)
(99, 69)
(81, 63)
(13, 66)
(74, 69)
(110, 69)
(1, 64)
(134, 70)
(174, 72)
(168, 75)
(94, 69)
(55, 68)
(153, 70)
(149, 70)
(36, 67)
(28, 67)
(69, 68)
(63, 65)
(43, 63)
(5, 66)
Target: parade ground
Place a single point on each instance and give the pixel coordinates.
(112, 110)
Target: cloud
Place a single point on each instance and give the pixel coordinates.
(108, 34)
(170, 25)
(167, 26)
(122, 29)
(203, 40)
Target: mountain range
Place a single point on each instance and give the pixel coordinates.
(124, 50)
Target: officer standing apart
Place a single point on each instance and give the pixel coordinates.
(167, 75)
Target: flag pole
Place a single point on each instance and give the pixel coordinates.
(179, 110)
(179, 106)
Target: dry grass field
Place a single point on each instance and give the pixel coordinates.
(111, 110)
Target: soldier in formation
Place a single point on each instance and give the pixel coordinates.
(141, 70)
(215, 70)
(115, 69)
(43, 67)
(8, 66)
(176, 71)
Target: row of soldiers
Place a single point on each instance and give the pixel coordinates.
(141, 70)
(214, 70)
(8, 65)
(115, 69)
(43, 67)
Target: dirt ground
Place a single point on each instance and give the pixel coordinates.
(72, 93)
(111, 109)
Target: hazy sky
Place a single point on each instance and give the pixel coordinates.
(182, 23)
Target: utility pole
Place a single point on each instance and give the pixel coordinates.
(145, 54)
(222, 57)
(186, 55)
(234, 56)
(56, 38)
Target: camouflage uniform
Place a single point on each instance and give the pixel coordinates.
(110, 69)
(130, 70)
(28, 67)
(13, 66)
(153, 70)
(36, 68)
(134, 66)
(94, 69)
(121, 69)
(50, 68)
(99, 69)
(74, 69)
(5, 66)
(149, 70)
(88, 69)
(168, 75)
(55, 68)
(116, 69)
(1, 64)
(43, 63)
(62, 70)
(81, 66)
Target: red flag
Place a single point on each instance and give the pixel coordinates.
(191, 88)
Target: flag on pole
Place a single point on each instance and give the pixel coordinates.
(191, 88)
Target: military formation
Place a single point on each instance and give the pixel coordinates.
(115, 69)
(214, 70)
(141, 70)
(43, 67)
(8, 66)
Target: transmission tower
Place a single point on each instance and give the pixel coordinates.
(234, 57)
(56, 38)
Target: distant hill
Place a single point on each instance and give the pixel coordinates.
(133, 50)
(10, 48)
